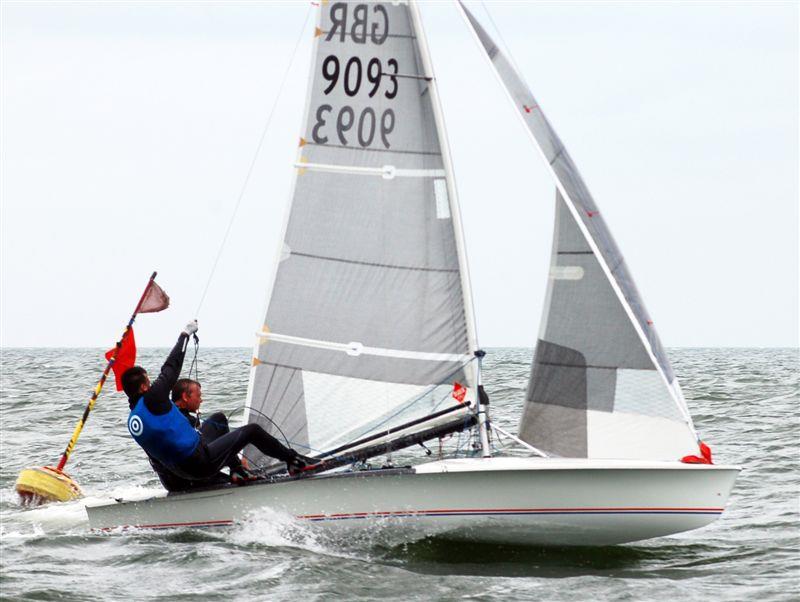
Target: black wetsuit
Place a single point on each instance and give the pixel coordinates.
(210, 429)
(210, 456)
(217, 447)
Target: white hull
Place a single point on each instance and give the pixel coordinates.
(542, 501)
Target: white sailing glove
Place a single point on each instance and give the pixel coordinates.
(190, 328)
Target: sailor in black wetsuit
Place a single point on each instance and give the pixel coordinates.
(187, 394)
(168, 436)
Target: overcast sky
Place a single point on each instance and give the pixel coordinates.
(128, 129)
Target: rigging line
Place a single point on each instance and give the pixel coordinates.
(253, 162)
(285, 438)
(194, 365)
(289, 442)
(500, 35)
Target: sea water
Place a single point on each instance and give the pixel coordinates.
(744, 403)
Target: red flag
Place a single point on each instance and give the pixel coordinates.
(155, 299)
(459, 392)
(126, 357)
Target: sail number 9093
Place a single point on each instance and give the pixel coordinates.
(366, 125)
(354, 73)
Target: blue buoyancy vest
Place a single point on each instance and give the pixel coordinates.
(169, 438)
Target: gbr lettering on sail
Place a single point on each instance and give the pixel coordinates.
(359, 78)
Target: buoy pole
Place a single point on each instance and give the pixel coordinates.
(49, 483)
(99, 386)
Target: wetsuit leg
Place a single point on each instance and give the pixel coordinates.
(214, 427)
(220, 449)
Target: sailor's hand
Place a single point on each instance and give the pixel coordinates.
(190, 328)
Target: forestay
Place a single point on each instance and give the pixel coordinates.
(601, 385)
(369, 318)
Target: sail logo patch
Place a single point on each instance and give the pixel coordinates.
(566, 272)
(135, 426)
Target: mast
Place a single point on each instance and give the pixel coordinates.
(455, 211)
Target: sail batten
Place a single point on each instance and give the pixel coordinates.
(595, 330)
(369, 318)
(356, 348)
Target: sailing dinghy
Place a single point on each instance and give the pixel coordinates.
(369, 344)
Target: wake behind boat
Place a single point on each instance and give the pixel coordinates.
(369, 343)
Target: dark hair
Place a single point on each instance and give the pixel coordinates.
(132, 380)
(182, 386)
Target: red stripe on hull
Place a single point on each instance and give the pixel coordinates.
(448, 512)
(451, 511)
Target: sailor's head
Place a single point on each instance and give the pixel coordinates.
(187, 394)
(135, 381)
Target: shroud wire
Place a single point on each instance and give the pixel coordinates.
(253, 162)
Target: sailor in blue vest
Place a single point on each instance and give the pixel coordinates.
(187, 395)
(168, 437)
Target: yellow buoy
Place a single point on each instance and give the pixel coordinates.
(41, 484)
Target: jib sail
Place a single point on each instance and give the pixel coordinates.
(601, 385)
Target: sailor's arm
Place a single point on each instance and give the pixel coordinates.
(157, 398)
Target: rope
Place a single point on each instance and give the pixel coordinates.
(194, 364)
(264, 416)
(289, 444)
(253, 163)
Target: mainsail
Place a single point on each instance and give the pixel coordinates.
(601, 385)
(369, 321)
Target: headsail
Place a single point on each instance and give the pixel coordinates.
(601, 384)
(369, 319)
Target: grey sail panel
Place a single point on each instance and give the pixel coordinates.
(591, 377)
(287, 417)
(601, 384)
(584, 313)
(366, 322)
